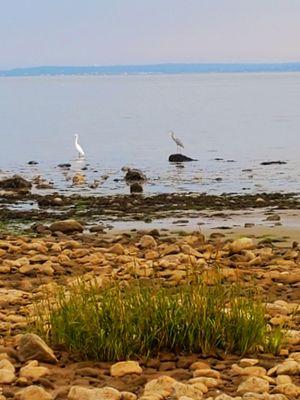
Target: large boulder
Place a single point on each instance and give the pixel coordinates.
(16, 183)
(66, 226)
(179, 158)
(32, 347)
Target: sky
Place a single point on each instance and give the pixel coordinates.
(112, 32)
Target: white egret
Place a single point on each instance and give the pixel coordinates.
(78, 147)
(177, 141)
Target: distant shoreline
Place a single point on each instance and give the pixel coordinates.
(155, 69)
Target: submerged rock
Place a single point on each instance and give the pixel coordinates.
(179, 158)
(16, 182)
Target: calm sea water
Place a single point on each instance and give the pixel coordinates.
(243, 119)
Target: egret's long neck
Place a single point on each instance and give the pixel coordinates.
(76, 139)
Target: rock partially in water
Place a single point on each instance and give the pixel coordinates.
(32, 162)
(79, 179)
(16, 183)
(64, 165)
(136, 188)
(179, 158)
(134, 174)
(273, 162)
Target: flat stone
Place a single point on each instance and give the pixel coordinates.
(253, 384)
(123, 368)
(82, 393)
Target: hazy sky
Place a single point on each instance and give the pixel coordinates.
(104, 32)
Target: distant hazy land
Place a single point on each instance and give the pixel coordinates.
(151, 69)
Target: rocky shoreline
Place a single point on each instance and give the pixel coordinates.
(27, 208)
(31, 266)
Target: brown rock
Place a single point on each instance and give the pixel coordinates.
(123, 368)
(66, 226)
(33, 393)
(253, 384)
(32, 347)
(82, 393)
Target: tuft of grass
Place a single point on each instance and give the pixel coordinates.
(139, 320)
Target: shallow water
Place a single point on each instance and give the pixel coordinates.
(124, 120)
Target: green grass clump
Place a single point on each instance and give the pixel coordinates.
(140, 320)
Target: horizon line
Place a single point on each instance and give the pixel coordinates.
(169, 67)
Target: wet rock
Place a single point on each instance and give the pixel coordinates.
(82, 393)
(273, 162)
(16, 183)
(64, 165)
(273, 217)
(136, 188)
(97, 228)
(33, 393)
(179, 158)
(32, 162)
(32, 347)
(39, 228)
(66, 226)
(57, 201)
(78, 179)
(123, 368)
(133, 174)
